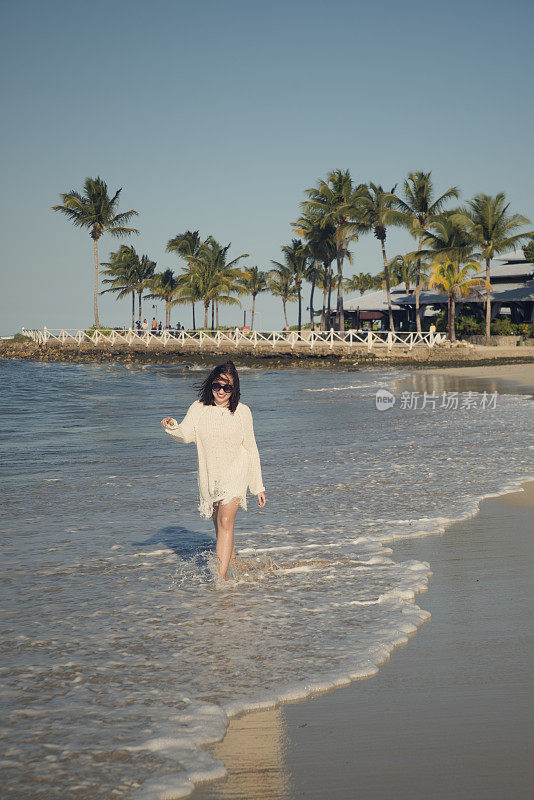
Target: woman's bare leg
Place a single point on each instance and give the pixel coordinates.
(225, 534)
(214, 519)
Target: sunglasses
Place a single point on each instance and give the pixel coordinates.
(225, 387)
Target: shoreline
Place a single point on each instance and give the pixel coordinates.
(319, 745)
(458, 355)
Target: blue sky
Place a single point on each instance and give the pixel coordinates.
(217, 115)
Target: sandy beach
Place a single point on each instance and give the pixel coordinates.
(449, 715)
(502, 378)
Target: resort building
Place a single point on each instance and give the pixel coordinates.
(512, 280)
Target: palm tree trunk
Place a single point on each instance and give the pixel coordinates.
(253, 310)
(217, 313)
(190, 265)
(133, 310)
(206, 308)
(417, 290)
(285, 313)
(340, 310)
(212, 314)
(95, 298)
(312, 325)
(300, 306)
(453, 327)
(323, 310)
(417, 309)
(449, 318)
(139, 293)
(386, 274)
(488, 305)
(329, 307)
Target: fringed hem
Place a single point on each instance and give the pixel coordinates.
(205, 507)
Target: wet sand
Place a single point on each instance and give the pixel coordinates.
(502, 378)
(450, 714)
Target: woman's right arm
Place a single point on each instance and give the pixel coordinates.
(183, 431)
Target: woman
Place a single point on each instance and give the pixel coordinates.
(228, 459)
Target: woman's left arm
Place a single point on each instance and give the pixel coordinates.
(255, 481)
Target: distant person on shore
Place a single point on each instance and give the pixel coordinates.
(154, 325)
(159, 327)
(228, 458)
(145, 325)
(432, 329)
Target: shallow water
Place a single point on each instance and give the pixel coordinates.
(121, 657)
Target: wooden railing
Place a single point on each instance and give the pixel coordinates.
(237, 338)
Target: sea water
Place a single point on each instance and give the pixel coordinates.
(121, 657)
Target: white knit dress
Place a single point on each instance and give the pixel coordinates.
(228, 457)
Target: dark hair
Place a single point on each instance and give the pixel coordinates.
(205, 394)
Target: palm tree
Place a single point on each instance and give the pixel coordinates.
(212, 277)
(405, 269)
(360, 282)
(418, 209)
(450, 244)
(230, 279)
(333, 203)
(281, 284)
(450, 233)
(253, 281)
(163, 286)
(494, 230)
(140, 270)
(320, 248)
(411, 268)
(186, 246)
(120, 276)
(143, 273)
(295, 260)
(308, 226)
(456, 281)
(95, 210)
(327, 281)
(187, 290)
(376, 211)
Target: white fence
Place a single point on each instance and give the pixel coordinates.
(237, 338)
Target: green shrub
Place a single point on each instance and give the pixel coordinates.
(103, 329)
(469, 325)
(20, 338)
(528, 250)
(524, 329)
(440, 321)
(502, 326)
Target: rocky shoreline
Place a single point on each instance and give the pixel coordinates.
(457, 354)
